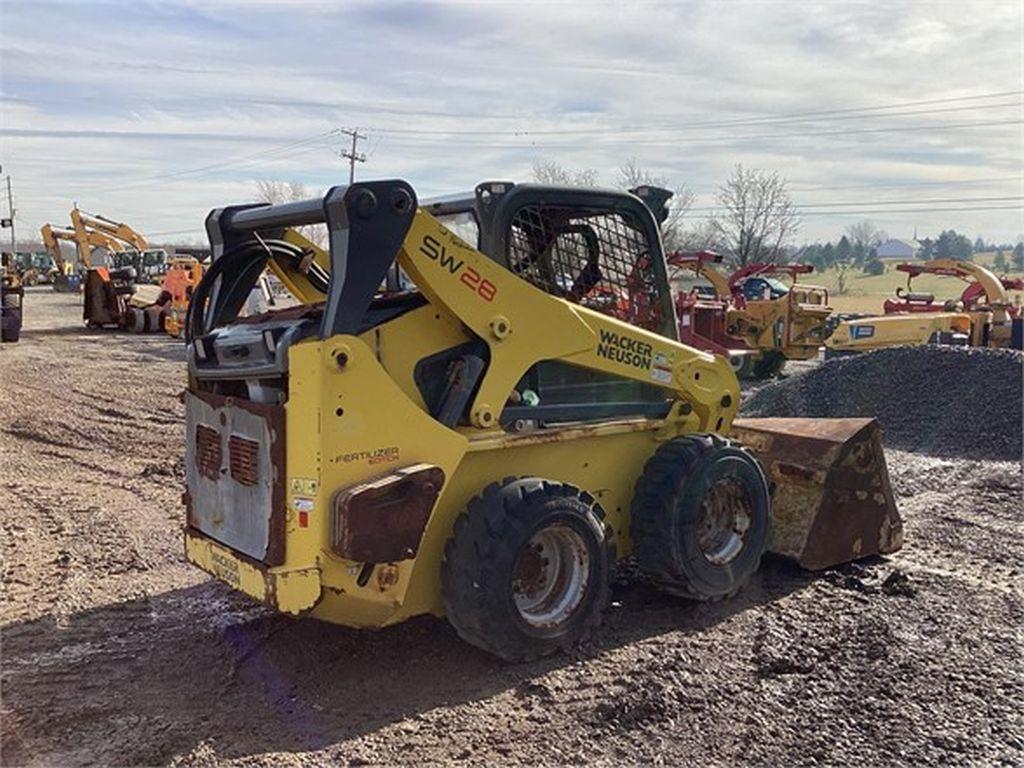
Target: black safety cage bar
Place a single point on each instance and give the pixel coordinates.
(366, 225)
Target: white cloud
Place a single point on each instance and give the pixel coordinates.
(138, 93)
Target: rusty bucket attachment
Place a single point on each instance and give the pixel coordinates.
(832, 501)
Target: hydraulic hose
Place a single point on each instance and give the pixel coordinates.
(243, 264)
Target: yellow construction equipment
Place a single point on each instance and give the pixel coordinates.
(785, 322)
(753, 318)
(485, 437)
(85, 240)
(983, 316)
(82, 221)
(65, 279)
(34, 268)
(127, 247)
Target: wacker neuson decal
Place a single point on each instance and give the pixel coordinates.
(625, 350)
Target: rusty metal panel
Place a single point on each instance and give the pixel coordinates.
(208, 452)
(382, 520)
(832, 501)
(244, 460)
(234, 471)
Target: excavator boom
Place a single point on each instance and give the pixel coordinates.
(63, 281)
(119, 230)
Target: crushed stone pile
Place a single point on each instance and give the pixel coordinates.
(937, 400)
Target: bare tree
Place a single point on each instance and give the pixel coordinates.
(633, 175)
(276, 192)
(759, 217)
(865, 234)
(701, 236)
(552, 172)
(865, 237)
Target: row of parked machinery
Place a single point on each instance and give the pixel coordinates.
(101, 242)
(758, 321)
(125, 283)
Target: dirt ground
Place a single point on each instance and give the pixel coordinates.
(115, 652)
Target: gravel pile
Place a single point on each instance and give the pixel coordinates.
(942, 401)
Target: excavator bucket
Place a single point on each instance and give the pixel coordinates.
(832, 501)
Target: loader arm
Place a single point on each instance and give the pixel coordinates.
(523, 325)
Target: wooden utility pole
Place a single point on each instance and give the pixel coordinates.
(352, 156)
(9, 221)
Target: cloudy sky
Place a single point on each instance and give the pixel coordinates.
(909, 114)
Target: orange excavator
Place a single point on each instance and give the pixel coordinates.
(169, 310)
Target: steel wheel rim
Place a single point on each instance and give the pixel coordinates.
(550, 576)
(723, 522)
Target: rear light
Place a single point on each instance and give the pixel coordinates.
(244, 460)
(208, 452)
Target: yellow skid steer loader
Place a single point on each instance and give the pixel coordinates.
(481, 430)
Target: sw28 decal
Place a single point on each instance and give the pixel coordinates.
(469, 277)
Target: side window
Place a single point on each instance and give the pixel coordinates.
(600, 260)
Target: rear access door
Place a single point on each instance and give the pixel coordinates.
(234, 465)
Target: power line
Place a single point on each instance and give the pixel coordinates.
(910, 201)
(252, 158)
(613, 141)
(900, 185)
(653, 128)
(881, 211)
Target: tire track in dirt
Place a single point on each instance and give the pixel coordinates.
(124, 655)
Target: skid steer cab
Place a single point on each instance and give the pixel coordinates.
(478, 405)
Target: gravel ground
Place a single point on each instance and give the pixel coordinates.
(942, 401)
(115, 652)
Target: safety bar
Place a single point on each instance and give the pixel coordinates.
(366, 225)
(295, 214)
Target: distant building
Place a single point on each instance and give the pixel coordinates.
(896, 248)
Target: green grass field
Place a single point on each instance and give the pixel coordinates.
(865, 293)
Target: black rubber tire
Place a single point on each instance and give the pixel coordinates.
(477, 572)
(11, 331)
(665, 511)
(768, 365)
(746, 368)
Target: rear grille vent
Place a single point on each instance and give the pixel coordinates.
(208, 452)
(244, 457)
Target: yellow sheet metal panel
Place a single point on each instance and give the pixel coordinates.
(402, 342)
(349, 422)
(288, 591)
(912, 329)
(605, 463)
